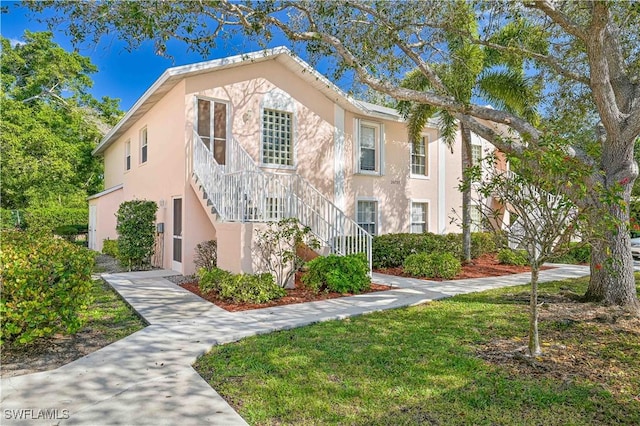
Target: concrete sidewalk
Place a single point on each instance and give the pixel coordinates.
(147, 379)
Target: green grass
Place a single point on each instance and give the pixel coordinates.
(109, 315)
(419, 366)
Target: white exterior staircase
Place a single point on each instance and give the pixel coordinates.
(240, 191)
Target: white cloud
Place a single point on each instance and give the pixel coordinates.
(15, 42)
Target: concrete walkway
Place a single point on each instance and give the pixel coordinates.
(147, 379)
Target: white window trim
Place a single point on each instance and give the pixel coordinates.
(379, 158)
(428, 212)
(378, 216)
(145, 131)
(293, 141)
(127, 144)
(427, 159)
(229, 118)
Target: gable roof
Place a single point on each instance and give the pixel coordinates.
(283, 55)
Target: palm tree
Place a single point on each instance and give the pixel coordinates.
(499, 79)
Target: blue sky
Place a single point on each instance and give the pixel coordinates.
(121, 74)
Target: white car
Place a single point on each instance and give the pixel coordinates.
(635, 248)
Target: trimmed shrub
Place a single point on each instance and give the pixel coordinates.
(342, 274)
(206, 255)
(46, 283)
(391, 250)
(483, 243)
(136, 232)
(12, 219)
(433, 265)
(251, 288)
(48, 218)
(110, 247)
(577, 253)
(210, 280)
(513, 257)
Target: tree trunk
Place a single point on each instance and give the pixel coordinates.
(612, 280)
(466, 194)
(534, 338)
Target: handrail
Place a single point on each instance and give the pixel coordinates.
(259, 196)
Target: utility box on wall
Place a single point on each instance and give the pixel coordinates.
(160, 228)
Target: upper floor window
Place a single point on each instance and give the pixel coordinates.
(277, 137)
(212, 127)
(127, 155)
(367, 215)
(419, 157)
(476, 154)
(419, 218)
(143, 145)
(369, 137)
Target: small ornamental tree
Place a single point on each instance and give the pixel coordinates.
(543, 222)
(136, 232)
(276, 248)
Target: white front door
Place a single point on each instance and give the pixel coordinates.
(176, 240)
(93, 219)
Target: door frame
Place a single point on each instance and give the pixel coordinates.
(177, 265)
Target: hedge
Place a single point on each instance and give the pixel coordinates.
(46, 283)
(391, 250)
(47, 219)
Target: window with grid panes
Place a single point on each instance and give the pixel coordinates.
(277, 137)
(476, 154)
(476, 219)
(419, 157)
(419, 218)
(366, 215)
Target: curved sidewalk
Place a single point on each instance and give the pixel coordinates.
(147, 379)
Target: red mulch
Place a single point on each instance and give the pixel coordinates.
(484, 266)
(294, 295)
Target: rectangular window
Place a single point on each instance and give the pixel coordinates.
(127, 155)
(277, 137)
(419, 157)
(368, 147)
(366, 215)
(476, 154)
(143, 145)
(419, 218)
(212, 127)
(476, 219)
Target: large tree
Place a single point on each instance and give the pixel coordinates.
(50, 125)
(592, 54)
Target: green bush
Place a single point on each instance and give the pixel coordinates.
(433, 265)
(46, 283)
(483, 243)
(513, 257)
(577, 253)
(12, 219)
(250, 288)
(390, 250)
(342, 274)
(210, 280)
(206, 255)
(48, 218)
(110, 247)
(136, 232)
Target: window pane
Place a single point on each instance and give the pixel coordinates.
(418, 157)
(220, 121)
(367, 159)
(204, 118)
(277, 145)
(366, 215)
(419, 217)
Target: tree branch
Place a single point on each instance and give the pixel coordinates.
(559, 18)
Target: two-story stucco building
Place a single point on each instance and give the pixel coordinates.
(226, 145)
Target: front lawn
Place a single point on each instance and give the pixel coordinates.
(451, 362)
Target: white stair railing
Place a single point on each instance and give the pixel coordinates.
(242, 192)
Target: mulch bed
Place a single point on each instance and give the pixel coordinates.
(484, 266)
(299, 294)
